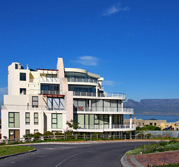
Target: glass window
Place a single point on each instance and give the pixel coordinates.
(27, 131)
(27, 118)
(16, 66)
(22, 76)
(34, 101)
(14, 120)
(36, 118)
(56, 121)
(23, 91)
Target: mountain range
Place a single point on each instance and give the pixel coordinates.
(154, 106)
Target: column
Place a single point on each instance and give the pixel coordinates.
(96, 91)
(130, 121)
(110, 121)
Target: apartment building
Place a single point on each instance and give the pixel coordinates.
(45, 99)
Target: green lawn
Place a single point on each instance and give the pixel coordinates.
(8, 150)
(170, 165)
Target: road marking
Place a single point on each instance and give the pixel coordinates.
(60, 163)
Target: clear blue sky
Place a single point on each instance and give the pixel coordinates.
(133, 44)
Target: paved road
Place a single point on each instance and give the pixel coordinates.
(72, 155)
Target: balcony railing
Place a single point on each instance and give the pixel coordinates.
(53, 92)
(104, 109)
(84, 94)
(122, 95)
(89, 80)
(37, 80)
(30, 107)
(105, 94)
(107, 126)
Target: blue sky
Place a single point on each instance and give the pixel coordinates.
(133, 44)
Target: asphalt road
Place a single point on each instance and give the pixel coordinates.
(72, 155)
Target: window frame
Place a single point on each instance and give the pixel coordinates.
(36, 101)
(26, 117)
(36, 118)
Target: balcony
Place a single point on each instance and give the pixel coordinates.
(104, 110)
(84, 94)
(105, 94)
(51, 92)
(30, 107)
(87, 80)
(106, 128)
(44, 80)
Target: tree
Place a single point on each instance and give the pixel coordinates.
(73, 124)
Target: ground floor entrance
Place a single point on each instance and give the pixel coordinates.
(14, 134)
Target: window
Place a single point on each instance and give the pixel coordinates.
(55, 103)
(57, 121)
(96, 119)
(16, 66)
(27, 131)
(14, 120)
(36, 118)
(34, 101)
(23, 91)
(27, 118)
(22, 76)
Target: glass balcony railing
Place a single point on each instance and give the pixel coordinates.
(104, 109)
(84, 94)
(89, 80)
(120, 95)
(53, 92)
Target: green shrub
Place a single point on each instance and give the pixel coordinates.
(28, 136)
(160, 147)
(58, 133)
(47, 134)
(37, 135)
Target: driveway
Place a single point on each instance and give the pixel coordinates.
(73, 155)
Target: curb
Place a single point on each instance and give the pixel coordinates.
(7, 156)
(124, 161)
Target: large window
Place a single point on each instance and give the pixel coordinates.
(36, 118)
(34, 101)
(14, 120)
(22, 76)
(27, 118)
(56, 121)
(55, 103)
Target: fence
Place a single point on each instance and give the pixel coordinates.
(83, 137)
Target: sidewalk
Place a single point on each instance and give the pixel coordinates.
(146, 160)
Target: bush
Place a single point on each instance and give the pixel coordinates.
(160, 147)
(47, 134)
(28, 136)
(37, 135)
(58, 133)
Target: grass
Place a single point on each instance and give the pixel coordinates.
(159, 147)
(170, 165)
(8, 150)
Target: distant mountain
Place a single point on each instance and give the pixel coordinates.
(154, 106)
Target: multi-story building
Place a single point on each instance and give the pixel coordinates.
(44, 100)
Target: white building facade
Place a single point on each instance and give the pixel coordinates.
(44, 100)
